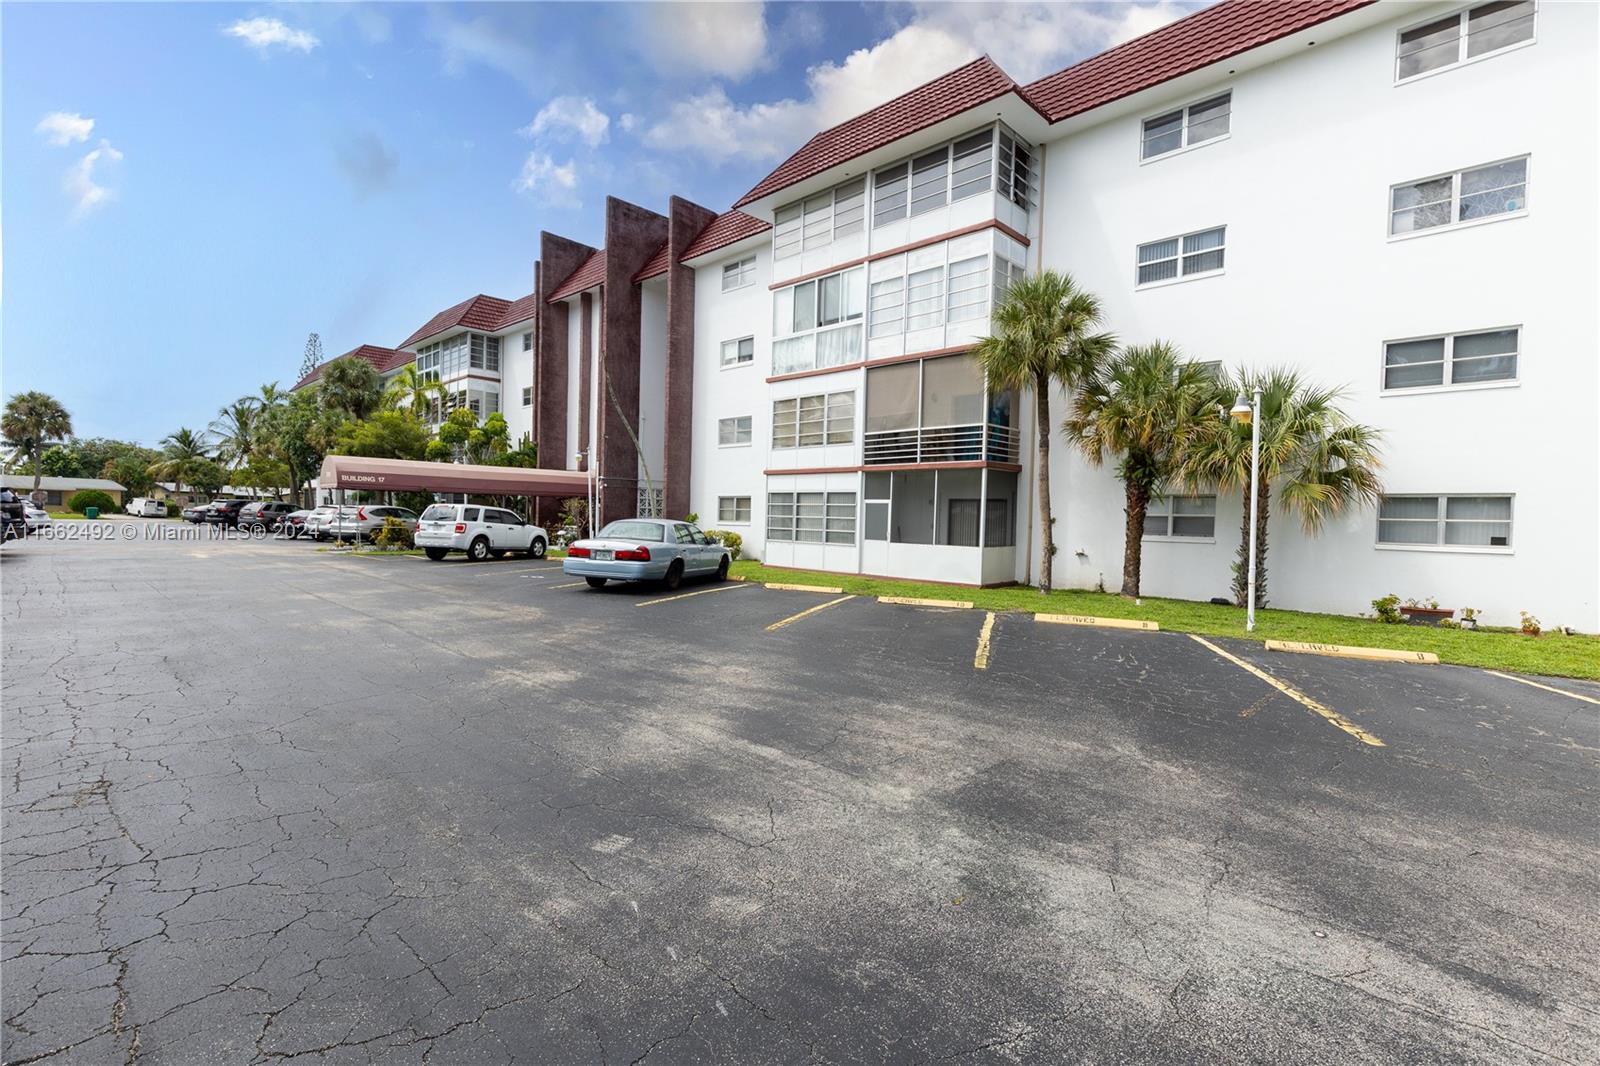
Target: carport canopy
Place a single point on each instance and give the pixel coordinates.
(412, 475)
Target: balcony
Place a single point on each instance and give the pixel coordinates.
(972, 442)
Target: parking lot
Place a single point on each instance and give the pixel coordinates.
(264, 802)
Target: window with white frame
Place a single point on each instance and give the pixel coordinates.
(1453, 359)
(817, 323)
(443, 360)
(902, 299)
(1182, 517)
(1463, 196)
(812, 421)
(812, 517)
(1014, 172)
(527, 342)
(1182, 257)
(731, 431)
(1186, 126)
(733, 509)
(527, 396)
(970, 166)
(485, 352)
(738, 275)
(818, 221)
(1445, 521)
(738, 352)
(1467, 34)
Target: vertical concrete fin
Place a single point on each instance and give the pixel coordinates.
(558, 258)
(633, 233)
(685, 221)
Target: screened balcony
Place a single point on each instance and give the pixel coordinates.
(937, 411)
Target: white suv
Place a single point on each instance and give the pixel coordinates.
(478, 531)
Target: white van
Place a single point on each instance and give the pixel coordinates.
(147, 507)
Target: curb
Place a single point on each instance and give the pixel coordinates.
(1344, 651)
(912, 601)
(1090, 620)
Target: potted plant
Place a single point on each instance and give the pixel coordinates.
(1425, 612)
(1469, 618)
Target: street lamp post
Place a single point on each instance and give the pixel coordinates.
(1251, 412)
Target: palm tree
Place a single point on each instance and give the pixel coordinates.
(182, 457)
(1323, 463)
(351, 386)
(411, 390)
(235, 431)
(32, 422)
(1044, 332)
(1140, 406)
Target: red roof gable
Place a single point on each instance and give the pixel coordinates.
(480, 312)
(965, 87)
(656, 266)
(1178, 48)
(590, 273)
(520, 310)
(725, 229)
(382, 359)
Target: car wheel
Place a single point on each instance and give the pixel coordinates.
(596, 582)
(436, 553)
(478, 550)
(536, 550)
(674, 576)
(722, 569)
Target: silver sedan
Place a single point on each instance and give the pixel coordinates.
(647, 549)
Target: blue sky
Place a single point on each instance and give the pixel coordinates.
(189, 189)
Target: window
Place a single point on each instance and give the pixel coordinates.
(1015, 172)
(1182, 516)
(1467, 34)
(527, 396)
(1465, 196)
(1445, 521)
(935, 293)
(731, 431)
(1186, 256)
(973, 164)
(738, 275)
(930, 175)
(1187, 126)
(443, 360)
(811, 421)
(936, 411)
(739, 352)
(889, 193)
(485, 352)
(966, 296)
(812, 517)
(527, 342)
(956, 171)
(818, 221)
(1458, 359)
(817, 322)
(733, 509)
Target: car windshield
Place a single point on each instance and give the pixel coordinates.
(633, 531)
(439, 512)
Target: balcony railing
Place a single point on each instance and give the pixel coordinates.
(973, 442)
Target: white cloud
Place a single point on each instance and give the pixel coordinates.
(554, 183)
(627, 121)
(481, 41)
(1027, 40)
(80, 181)
(264, 33)
(576, 114)
(65, 127)
(723, 40)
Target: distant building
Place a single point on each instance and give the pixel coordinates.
(54, 492)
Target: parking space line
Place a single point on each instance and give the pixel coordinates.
(980, 661)
(574, 585)
(831, 590)
(1547, 688)
(686, 595)
(809, 610)
(1332, 716)
(914, 601)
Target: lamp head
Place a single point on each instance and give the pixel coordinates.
(1242, 411)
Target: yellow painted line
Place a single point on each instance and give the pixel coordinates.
(1091, 620)
(1333, 716)
(808, 611)
(1547, 688)
(574, 585)
(829, 589)
(686, 595)
(912, 601)
(980, 661)
(1346, 651)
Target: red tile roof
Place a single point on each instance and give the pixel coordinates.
(382, 359)
(1198, 40)
(520, 310)
(656, 266)
(591, 272)
(480, 312)
(725, 229)
(966, 87)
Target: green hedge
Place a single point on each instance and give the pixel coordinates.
(82, 501)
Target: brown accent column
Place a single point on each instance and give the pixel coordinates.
(685, 221)
(585, 371)
(632, 236)
(558, 258)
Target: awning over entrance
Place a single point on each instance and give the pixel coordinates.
(409, 475)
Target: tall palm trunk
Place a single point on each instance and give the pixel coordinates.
(1041, 392)
(38, 473)
(1241, 572)
(1138, 502)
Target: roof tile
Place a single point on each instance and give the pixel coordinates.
(478, 312)
(519, 310)
(383, 360)
(656, 266)
(591, 272)
(725, 229)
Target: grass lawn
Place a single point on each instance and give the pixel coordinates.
(1552, 653)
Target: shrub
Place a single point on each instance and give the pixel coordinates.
(1387, 609)
(1530, 625)
(730, 540)
(82, 501)
(395, 534)
(174, 510)
(693, 518)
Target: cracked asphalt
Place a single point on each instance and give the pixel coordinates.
(263, 803)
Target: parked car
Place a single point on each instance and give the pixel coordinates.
(15, 515)
(267, 515)
(315, 524)
(479, 531)
(647, 549)
(196, 512)
(225, 512)
(363, 523)
(35, 516)
(294, 523)
(146, 507)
